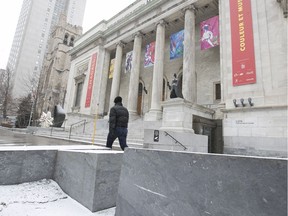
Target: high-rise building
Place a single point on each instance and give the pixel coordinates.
(36, 21)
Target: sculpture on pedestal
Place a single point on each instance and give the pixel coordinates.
(175, 91)
(46, 120)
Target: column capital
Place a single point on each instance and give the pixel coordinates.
(138, 34)
(120, 44)
(162, 23)
(190, 8)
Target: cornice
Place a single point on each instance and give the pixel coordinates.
(93, 38)
(254, 108)
(117, 25)
(131, 17)
(139, 12)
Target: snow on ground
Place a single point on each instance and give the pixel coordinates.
(43, 198)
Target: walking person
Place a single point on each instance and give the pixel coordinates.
(118, 124)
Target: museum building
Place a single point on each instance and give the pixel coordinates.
(208, 67)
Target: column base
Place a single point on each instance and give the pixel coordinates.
(153, 115)
(133, 116)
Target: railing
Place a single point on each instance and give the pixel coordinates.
(71, 126)
(176, 141)
(64, 122)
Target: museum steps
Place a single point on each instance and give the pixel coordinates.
(84, 138)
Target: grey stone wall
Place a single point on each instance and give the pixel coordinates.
(90, 177)
(154, 183)
(26, 166)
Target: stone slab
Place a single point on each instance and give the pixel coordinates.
(90, 176)
(20, 166)
(154, 183)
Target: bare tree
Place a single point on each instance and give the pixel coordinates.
(6, 102)
(24, 111)
(31, 86)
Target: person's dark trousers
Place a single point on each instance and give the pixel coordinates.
(121, 134)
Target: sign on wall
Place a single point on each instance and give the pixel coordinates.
(176, 45)
(91, 80)
(243, 59)
(209, 33)
(149, 54)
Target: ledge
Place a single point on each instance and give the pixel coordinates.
(247, 109)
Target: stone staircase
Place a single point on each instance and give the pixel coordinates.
(87, 133)
(84, 138)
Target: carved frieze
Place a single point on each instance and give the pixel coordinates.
(81, 70)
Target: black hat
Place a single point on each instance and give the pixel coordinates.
(118, 99)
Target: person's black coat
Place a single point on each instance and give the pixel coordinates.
(118, 117)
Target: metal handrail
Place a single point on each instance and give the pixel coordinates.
(57, 123)
(76, 124)
(176, 141)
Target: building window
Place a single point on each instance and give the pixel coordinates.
(217, 91)
(71, 41)
(78, 94)
(65, 41)
(163, 90)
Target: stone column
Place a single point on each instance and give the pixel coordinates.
(189, 87)
(155, 112)
(104, 81)
(116, 74)
(134, 76)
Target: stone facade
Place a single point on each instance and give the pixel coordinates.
(240, 129)
(55, 72)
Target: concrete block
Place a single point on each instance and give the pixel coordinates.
(90, 176)
(22, 166)
(154, 183)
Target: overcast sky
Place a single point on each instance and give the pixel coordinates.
(10, 10)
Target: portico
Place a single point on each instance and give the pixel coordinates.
(146, 29)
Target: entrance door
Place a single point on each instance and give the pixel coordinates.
(139, 101)
(212, 129)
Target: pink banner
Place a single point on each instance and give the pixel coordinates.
(209, 33)
(149, 54)
(243, 59)
(91, 80)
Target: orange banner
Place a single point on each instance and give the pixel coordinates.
(243, 59)
(91, 80)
